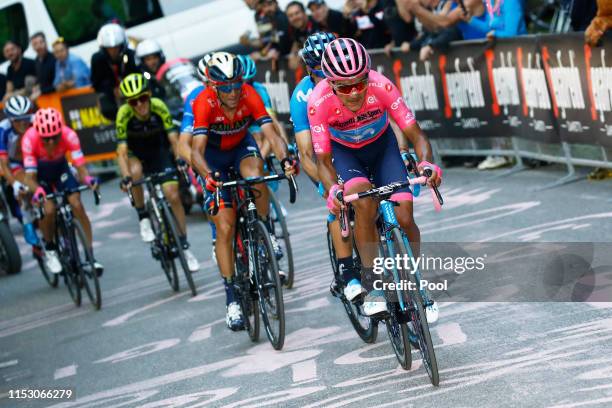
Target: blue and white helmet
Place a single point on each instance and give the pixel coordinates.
(314, 46)
(18, 107)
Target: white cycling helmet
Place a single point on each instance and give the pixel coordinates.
(202, 63)
(111, 35)
(148, 47)
(223, 67)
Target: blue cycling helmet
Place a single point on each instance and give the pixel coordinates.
(249, 69)
(314, 46)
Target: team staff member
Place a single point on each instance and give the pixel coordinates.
(146, 138)
(223, 113)
(44, 147)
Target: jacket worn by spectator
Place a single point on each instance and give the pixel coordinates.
(299, 36)
(27, 68)
(106, 76)
(372, 29)
(274, 31)
(45, 73)
(400, 30)
(507, 21)
(337, 24)
(72, 69)
(438, 41)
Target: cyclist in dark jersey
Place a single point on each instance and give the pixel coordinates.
(146, 138)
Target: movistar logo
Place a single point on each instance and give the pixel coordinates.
(303, 97)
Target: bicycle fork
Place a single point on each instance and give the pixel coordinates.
(387, 212)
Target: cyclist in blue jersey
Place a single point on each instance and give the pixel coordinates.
(18, 111)
(311, 54)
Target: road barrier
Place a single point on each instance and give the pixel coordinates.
(544, 97)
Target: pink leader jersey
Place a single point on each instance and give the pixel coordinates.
(331, 120)
(34, 151)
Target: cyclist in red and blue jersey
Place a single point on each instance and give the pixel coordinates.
(349, 122)
(44, 147)
(222, 116)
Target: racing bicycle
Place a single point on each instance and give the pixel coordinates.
(257, 282)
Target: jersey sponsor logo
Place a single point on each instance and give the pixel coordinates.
(318, 128)
(219, 119)
(359, 118)
(397, 103)
(312, 111)
(371, 99)
(303, 97)
(388, 87)
(323, 98)
(227, 128)
(337, 111)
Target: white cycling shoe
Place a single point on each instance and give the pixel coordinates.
(52, 262)
(192, 261)
(214, 252)
(352, 290)
(146, 231)
(233, 318)
(432, 313)
(375, 303)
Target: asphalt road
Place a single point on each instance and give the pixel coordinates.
(150, 347)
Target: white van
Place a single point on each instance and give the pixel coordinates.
(184, 28)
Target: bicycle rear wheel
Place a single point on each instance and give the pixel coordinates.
(397, 328)
(269, 287)
(280, 230)
(10, 258)
(247, 291)
(84, 262)
(160, 249)
(176, 244)
(366, 328)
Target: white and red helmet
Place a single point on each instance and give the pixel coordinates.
(48, 122)
(345, 58)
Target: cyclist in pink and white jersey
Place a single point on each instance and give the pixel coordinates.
(44, 147)
(349, 122)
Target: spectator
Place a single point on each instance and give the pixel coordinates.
(2, 86)
(151, 58)
(331, 20)
(300, 27)
(109, 65)
(21, 72)
(273, 29)
(45, 66)
(600, 24)
(368, 16)
(70, 70)
(401, 27)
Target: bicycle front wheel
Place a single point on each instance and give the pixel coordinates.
(280, 230)
(246, 289)
(173, 228)
(419, 328)
(71, 276)
(269, 286)
(84, 262)
(397, 328)
(160, 248)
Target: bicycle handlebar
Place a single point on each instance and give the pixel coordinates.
(54, 196)
(147, 179)
(255, 180)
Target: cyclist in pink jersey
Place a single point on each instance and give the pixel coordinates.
(349, 122)
(44, 147)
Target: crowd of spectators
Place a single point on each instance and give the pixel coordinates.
(424, 26)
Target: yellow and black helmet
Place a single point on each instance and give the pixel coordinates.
(133, 85)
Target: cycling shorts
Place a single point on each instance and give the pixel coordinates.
(157, 162)
(15, 166)
(222, 160)
(379, 161)
(56, 176)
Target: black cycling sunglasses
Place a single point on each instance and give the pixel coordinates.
(140, 99)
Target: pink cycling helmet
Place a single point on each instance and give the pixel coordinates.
(345, 58)
(48, 122)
